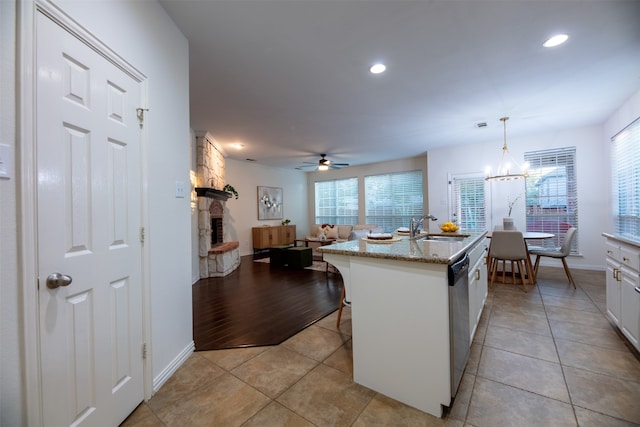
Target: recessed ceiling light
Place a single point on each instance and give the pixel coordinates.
(556, 40)
(238, 146)
(377, 68)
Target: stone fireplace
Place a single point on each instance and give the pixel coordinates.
(217, 257)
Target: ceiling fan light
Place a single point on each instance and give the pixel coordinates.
(556, 40)
(323, 167)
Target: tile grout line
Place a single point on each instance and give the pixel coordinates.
(510, 385)
(562, 367)
(318, 363)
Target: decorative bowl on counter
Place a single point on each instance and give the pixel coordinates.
(449, 227)
(379, 236)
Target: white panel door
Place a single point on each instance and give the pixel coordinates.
(89, 216)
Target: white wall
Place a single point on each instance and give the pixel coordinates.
(593, 190)
(143, 34)
(11, 389)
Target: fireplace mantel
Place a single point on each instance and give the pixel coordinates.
(212, 193)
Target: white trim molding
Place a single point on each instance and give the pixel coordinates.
(172, 367)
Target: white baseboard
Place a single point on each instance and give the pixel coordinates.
(194, 279)
(173, 367)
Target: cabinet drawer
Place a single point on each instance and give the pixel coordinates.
(630, 257)
(476, 253)
(612, 249)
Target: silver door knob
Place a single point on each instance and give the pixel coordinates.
(56, 280)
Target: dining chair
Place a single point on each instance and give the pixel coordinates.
(562, 252)
(489, 263)
(343, 302)
(510, 246)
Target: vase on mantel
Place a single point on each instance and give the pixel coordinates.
(507, 224)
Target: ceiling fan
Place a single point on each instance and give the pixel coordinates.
(325, 164)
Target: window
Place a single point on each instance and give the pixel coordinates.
(552, 194)
(625, 159)
(337, 201)
(468, 201)
(392, 199)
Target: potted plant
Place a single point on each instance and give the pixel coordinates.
(286, 221)
(507, 223)
(229, 189)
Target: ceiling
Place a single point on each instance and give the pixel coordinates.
(289, 79)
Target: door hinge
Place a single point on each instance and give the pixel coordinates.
(141, 234)
(140, 114)
(144, 350)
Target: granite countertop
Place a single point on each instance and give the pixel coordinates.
(621, 239)
(404, 249)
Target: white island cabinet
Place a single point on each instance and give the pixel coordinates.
(399, 297)
(478, 284)
(623, 286)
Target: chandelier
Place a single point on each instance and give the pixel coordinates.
(504, 171)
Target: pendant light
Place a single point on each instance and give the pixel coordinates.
(504, 171)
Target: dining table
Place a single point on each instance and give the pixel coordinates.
(527, 236)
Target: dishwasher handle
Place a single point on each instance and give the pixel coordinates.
(458, 269)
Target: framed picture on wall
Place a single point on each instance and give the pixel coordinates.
(269, 203)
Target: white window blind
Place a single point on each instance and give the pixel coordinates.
(337, 201)
(626, 181)
(392, 199)
(552, 194)
(468, 209)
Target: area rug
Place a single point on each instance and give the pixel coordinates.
(317, 265)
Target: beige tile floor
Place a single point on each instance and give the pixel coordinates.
(548, 357)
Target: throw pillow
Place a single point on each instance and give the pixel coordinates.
(331, 232)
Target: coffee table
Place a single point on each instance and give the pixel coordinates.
(308, 240)
(321, 242)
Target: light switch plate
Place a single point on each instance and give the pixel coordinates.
(6, 161)
(180, 189)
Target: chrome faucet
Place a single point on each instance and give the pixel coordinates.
(414, 224)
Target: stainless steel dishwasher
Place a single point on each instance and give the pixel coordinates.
(459, 319)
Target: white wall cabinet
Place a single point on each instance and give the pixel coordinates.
(623, 287)
(478, 284)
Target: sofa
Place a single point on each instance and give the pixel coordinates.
(341, 233)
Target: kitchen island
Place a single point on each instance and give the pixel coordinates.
(400, 314)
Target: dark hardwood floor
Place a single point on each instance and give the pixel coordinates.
(260, 305)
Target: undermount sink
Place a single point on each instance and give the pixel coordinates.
(443, 238)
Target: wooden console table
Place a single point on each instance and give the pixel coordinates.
(277, 235)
